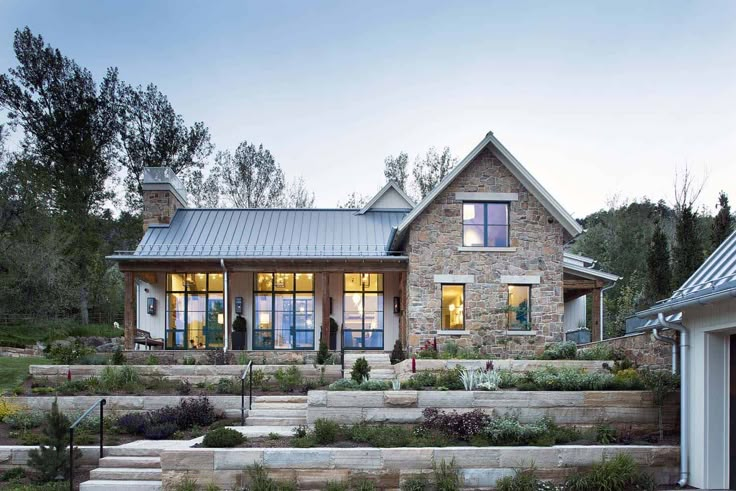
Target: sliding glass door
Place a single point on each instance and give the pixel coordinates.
(363, 311)
(194, 311)
(284, 311)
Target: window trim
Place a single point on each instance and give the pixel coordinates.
(485, 245)
(363, 330)
(186, 292)
(273, 292)
(444, 328)
(509, 327)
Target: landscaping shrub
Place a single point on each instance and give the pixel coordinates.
(565, 350)
(573, 379)
(508, 431)
(65, 353)
(460, 426)
(195, 412)
(223, 438)
(600, 352)
(118, 358)
(24, 420)
(336, 486)
(361, 370)
(362, 485)
(446, 476)
(133, 423)
(183, 387)
(620, 473)
(661, 383)
(380, 435)
(397, 354)
(441, 379)
(160, 431)
(326, 431)
(416, 483)
(289, 379)
(350, 384)
(605, 434)
(259, 480)
(122, 378)
(523, 480)
(13, 474)
(186, 484)
(322, 353)
(189, 360)
(228, 386)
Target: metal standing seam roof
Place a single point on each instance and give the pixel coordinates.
(253, 233)
(717, 274)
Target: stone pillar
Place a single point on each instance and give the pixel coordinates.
(163, 194)
(595, 322)
(325, 285)
(129, 320)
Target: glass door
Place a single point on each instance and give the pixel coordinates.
(363, 311)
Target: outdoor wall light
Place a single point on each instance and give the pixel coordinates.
(397, 305)
(151, 305)
(239, 305)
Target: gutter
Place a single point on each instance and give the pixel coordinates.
(671, 306)
(672, 342)
(226, 309)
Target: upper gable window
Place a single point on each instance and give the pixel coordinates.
(485, 224)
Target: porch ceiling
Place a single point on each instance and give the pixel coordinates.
(391, 263)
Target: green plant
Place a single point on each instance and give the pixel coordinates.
(274, 436)
(24, 420)
(362, 484)
(469, 378)
(446, 476)
(212, 487)
(186, 484)
(336, 486)
(397, 354)
(118, 358)
(259, 480)
(619, 473)
(65, 353)
(661, 383)
(605, 434)
(379, 435)
(524, 479)
(119, 378)
(361, 370)
(415, 483)
(326, 431)
(565, 350)
(51, 459)
(323, 353)
(13, 474)
(223, 438)
(189, 360)
(152, 360)
(183, 387)
(301, 431)
(289, 379)
(599, 351)
(228, 386)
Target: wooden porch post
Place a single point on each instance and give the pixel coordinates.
(129, 320)
(402, 310)
(325, 282)
(595, 322)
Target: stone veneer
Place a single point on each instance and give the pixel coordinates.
(432, 247)
(389, 468)
(626, 410)
(159, 207)
(642, 349)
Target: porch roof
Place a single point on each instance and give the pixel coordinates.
(268, 234)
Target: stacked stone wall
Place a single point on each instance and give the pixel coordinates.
(642, 349)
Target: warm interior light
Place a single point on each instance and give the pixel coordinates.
(220, 319)
(356, 298)
(452, 307)
(469, 212)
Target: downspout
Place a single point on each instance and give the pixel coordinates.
(684, 396)
(600, 323)
(225, 288)
(672, 342)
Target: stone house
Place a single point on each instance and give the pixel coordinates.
(479, 261)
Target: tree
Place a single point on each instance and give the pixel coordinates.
(204, 191)
(396, 169)
(296, 195)
(429, 170)
(70, 127)
(152, 134)
(659, 273)
(688, 252)
(51, 460)
(250, 178)
(723, 222)
(354, 200)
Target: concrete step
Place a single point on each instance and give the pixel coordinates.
(277, 413)
(282, 399)
(124, 451)
(108, 485)
(268, 421)
(131, 462)
(279, 405)
(125, 474)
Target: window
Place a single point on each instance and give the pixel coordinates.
(194, 311)
(520, 307)
(453, 307)
(485, 224)
(284, 311)
(363, 311)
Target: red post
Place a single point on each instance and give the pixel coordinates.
(69, 374)
(413, 364)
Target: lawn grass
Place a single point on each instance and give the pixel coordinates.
(27, 334)
(13, 371)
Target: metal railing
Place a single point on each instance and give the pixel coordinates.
(248, 370)
(101, 403)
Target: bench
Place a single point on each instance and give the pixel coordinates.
(144, 338)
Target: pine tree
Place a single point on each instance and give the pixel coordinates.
(51, 460)
(723, 222)
(688, 253)
(659, 272)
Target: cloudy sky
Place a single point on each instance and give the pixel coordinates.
(597, 99)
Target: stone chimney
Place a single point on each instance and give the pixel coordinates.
(163, 194)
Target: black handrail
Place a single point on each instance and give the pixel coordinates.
(101, 403)
(248, 369)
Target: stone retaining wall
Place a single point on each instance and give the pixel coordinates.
(117, 405)
(626, 410)
(403, 369)
(10, 352)
(272, 357)
(479, 467)
(642, 349)
(192, 373)
(17, 456)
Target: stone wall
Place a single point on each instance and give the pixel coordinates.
(388, 468)
(159, 207)
(191, 373)
(10, 352)
(642, 349)
(17, 456)
(626, 410)
(432, 247)
(404, 371)
(266, 357)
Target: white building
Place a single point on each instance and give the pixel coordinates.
(704, 311)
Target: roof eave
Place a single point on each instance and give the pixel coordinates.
(670, 306)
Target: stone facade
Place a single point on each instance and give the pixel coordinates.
(642, 349)
(432, 246)
(159, 207)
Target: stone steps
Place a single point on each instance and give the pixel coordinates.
(279, 405)
(380, 363)
(278, 411)
(281, 413)
(124, 451)
(131, 462)
(110, 485)
(125, 474)
(275, 421)
(280, 399)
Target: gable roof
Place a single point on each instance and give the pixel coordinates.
(390, 187)
(715, 278)
(518, 171)
(268, 233)
(585, 267)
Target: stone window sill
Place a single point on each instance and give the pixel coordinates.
(452, 332)
(520, 333)
(486, 249)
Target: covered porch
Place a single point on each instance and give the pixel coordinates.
(286, 305)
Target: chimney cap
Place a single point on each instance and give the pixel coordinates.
(164, 179)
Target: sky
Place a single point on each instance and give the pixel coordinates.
(599, 100)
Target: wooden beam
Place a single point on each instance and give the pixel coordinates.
(579, 284)
(325, 282)
(129, 321)
(402, 312)
(595, 322)
(367, 265)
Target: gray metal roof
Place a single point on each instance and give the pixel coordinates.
(715, 276)
(264, 233)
